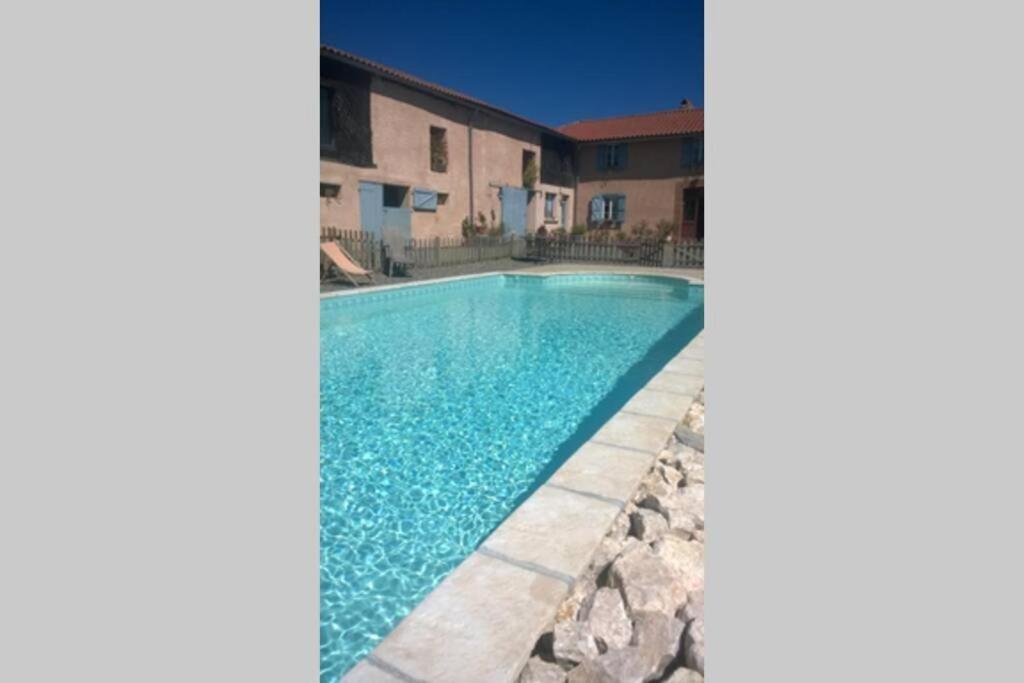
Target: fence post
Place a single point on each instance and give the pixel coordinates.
(666, 254)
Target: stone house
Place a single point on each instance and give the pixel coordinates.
(403, 156)
(412, 158)
(644, 167)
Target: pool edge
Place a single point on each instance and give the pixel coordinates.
(482, 621)
(455, 278)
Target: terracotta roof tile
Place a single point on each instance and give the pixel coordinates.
(674, 122)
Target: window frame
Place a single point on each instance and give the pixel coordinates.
(443, 143)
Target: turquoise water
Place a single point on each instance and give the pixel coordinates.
(443, 406)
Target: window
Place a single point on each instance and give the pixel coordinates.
(326, 121)
(612, 156)
(330, 191)
(693, 152)
(442, 198)
(438, 150)
(424, 200)
(549, 207)
(394, 196)
(608, 208)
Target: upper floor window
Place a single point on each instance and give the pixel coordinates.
(438, 150)
(612, 156)
(326, 118)
(693, 152)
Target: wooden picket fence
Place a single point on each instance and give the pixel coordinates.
(688, 254)
(434, 252)
(437, 251)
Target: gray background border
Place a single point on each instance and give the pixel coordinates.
(158, 471)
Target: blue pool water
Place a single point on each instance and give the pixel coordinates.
(443, 406)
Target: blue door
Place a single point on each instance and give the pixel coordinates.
(397, 223)
(513, 209)
(371, 207)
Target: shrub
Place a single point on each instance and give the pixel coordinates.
(468, 229)
(641, 231)
(530, 173)
(664, 229)
(579, 229)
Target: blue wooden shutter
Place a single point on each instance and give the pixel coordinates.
(424, 200)
(623, 155)
(619, 208)
(597, 208)
(602, 157)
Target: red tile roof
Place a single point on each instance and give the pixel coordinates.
(674, 122)
(409, 79)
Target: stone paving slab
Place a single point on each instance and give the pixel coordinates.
(686, 366)
(556, 529)
(659, 404)
(676, 382)
(604, 470)
(639, 432)
(366, 672)
(480, 624)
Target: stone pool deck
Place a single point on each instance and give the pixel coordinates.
(483, 621)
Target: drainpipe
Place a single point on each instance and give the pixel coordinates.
(472, 213)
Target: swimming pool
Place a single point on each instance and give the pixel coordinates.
(443, 406)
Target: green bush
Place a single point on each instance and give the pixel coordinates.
(579, 229)
(664, 229)
(530, 173)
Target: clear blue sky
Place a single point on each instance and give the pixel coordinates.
(553, 62)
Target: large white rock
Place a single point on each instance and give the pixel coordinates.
(647, 525)
(647, 582)
(685, 676)
(659, 638)
(573, 643)
(607, 620)
(686, 559)
(693, 644)
(694, 608)
(539, 671)
(615, 666)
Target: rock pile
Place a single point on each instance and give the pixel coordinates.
(636, 615)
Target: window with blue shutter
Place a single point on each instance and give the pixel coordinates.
(619, 210)
(622, 155)
(597, 209)
(602, 157)
(424, 200)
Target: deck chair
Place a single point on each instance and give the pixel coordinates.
(344, 263)
(394, 251)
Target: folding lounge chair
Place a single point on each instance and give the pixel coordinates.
(344, 263)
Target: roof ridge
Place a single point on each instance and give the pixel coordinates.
(392, 72)
(628, 116)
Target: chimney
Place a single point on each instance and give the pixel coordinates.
(686, 104)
